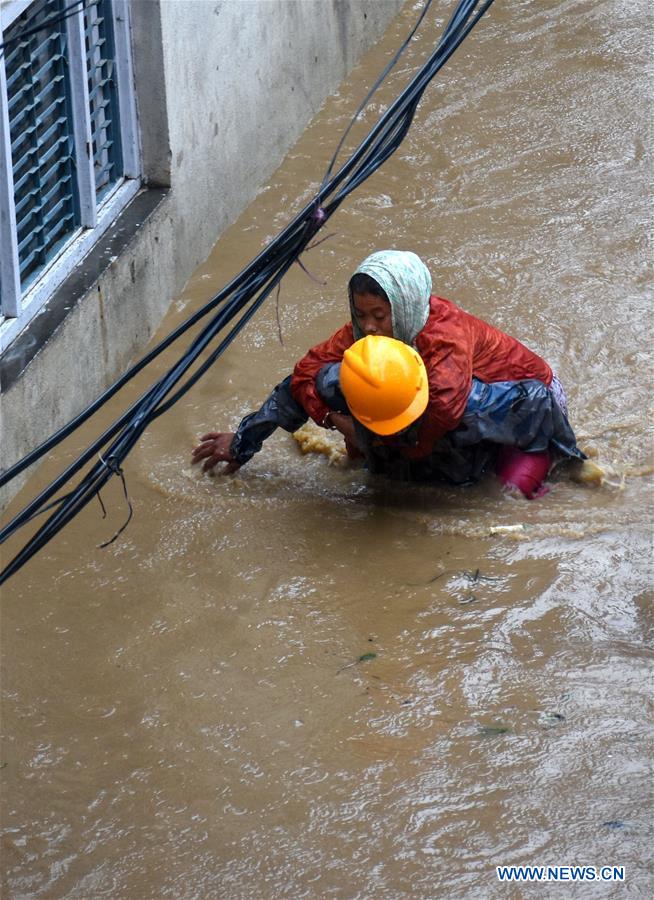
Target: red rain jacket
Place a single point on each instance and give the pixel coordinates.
(454, 346)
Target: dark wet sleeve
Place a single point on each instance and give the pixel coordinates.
(280, 410)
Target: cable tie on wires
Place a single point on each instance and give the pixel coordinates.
(110, 464)
(317, 220)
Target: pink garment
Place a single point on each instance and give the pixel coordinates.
(524, 471)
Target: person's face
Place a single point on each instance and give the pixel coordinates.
(373, 314)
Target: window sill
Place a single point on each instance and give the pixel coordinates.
(24, 336)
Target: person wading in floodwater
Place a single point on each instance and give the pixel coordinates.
(419, 388)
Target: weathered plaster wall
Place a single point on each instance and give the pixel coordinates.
(224, 89)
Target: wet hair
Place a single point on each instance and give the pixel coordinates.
(360, 283)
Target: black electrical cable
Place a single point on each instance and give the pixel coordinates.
(109, 463)
(66, 430)
(245, 293)
(50, 443)
(144, 413)
(65, 13)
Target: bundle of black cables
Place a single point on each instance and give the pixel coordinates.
(251, 286)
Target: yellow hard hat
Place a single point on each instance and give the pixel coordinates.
(384, 382)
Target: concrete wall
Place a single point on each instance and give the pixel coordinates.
(224, 88)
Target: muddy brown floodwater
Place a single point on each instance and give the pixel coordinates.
(185, 713)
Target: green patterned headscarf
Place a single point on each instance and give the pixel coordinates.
(407, 283)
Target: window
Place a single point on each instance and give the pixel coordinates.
(69, 154)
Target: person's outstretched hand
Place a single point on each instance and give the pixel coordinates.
(214, 448)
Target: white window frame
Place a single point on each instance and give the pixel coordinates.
(18, 310)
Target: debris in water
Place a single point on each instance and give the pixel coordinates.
(432, 579)
(436, 577)
(473, 577)
(494, 730)
(614, 824)
(507, 529)
(365, 657)
(549, 719)
(312, 439)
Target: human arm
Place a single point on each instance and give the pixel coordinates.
(280, 410)
(303, 382)
(338, 416)
(345, 424)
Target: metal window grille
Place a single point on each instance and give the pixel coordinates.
(103, 96)
(67, 137)
(40, 128)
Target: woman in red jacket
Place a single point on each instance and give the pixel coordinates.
(492, 402)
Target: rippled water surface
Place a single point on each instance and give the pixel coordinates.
(186, 713)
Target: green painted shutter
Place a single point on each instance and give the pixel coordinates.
(41, 129)
(103, 96)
